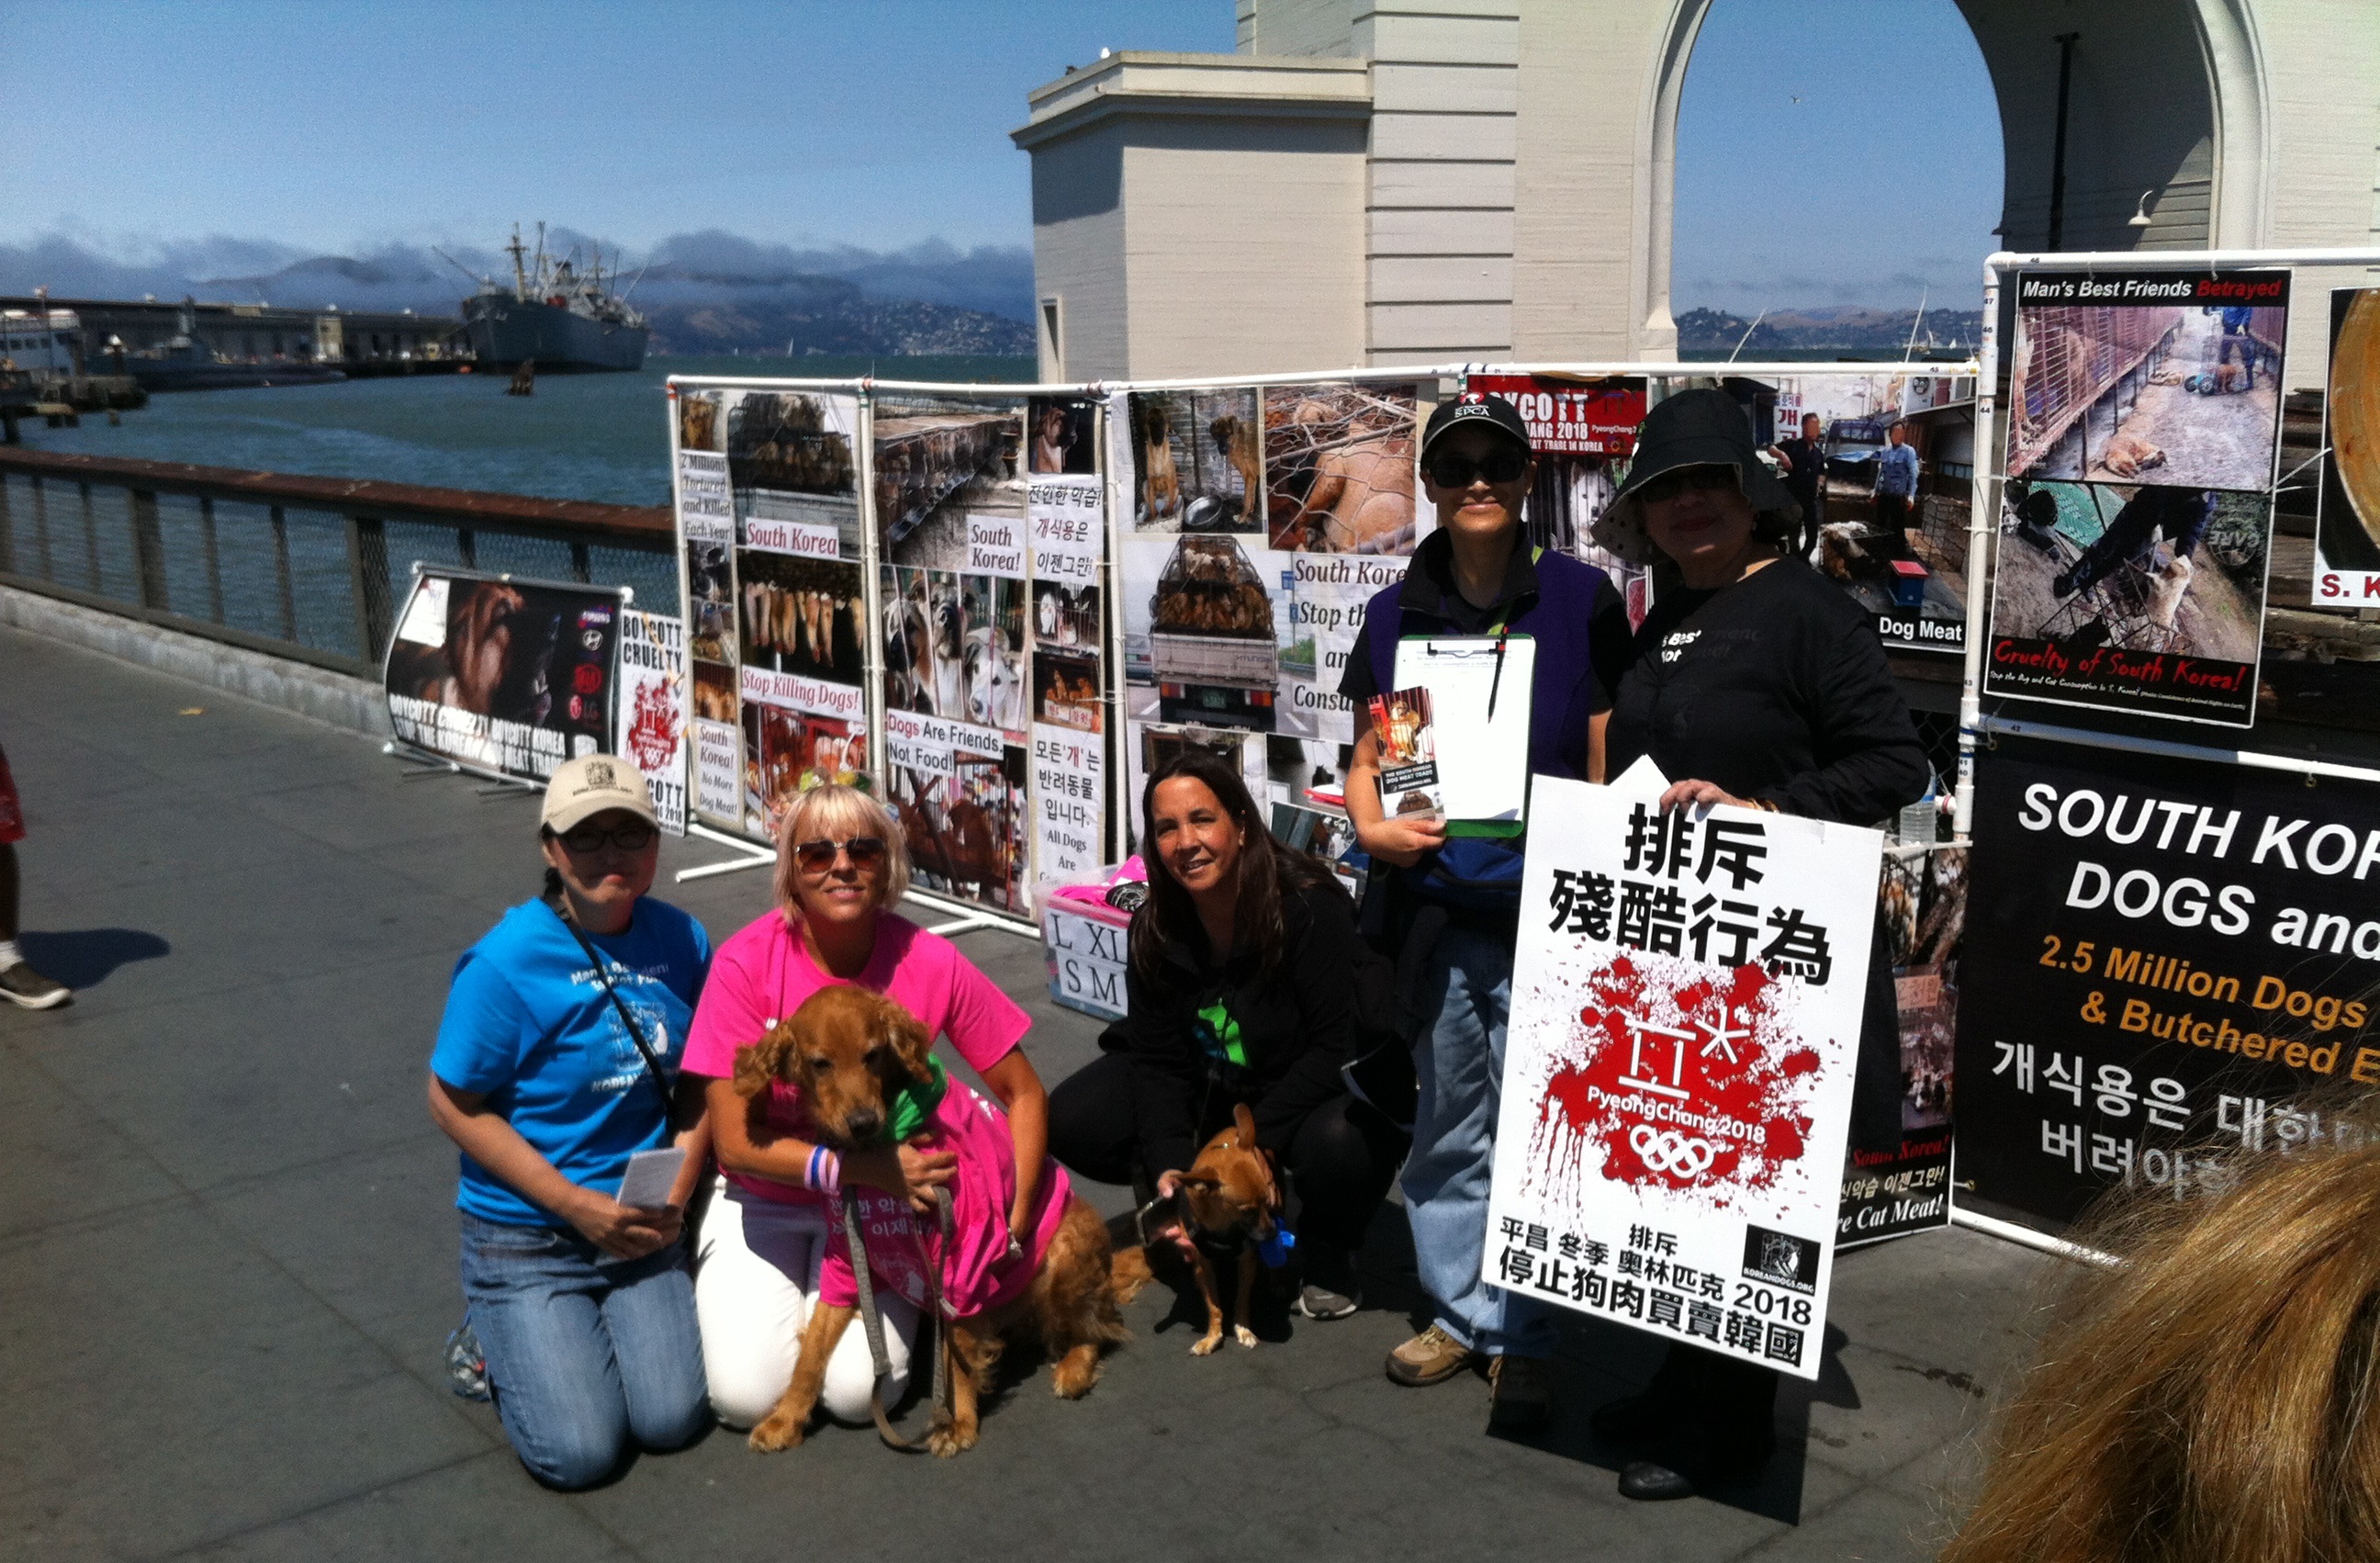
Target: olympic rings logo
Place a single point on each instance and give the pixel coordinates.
(1667, 1149)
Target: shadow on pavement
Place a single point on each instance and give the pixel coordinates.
(83, 958)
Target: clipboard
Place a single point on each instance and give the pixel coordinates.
(1482, 760)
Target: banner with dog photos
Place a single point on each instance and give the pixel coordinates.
(1258, 522)
(2136, 523)
(1685, 1018)
(939, 637)
(504, 676)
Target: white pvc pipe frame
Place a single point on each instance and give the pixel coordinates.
(865, 388)
(1981, 522)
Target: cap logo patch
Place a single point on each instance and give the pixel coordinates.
(599, 776)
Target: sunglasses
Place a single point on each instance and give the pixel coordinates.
(1685, 480)
(817, 857)
(627, 837)
(1460, 471)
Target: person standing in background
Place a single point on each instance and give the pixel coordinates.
(1896, 489)
(1805, 478)
(20, 983)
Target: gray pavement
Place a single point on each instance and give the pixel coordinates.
(227, 1248)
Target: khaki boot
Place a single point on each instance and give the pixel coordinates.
(1431, 1357)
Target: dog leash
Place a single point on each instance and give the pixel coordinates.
(871, 1321)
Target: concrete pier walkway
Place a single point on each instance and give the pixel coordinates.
(227, 1248)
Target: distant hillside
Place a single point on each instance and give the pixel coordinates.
(1847, 327)
(709, 292)
(821, 321)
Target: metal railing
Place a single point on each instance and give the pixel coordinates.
(306, 568)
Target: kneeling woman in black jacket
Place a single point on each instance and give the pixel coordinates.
(1242, 987)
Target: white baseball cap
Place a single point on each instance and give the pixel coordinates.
(586, 786)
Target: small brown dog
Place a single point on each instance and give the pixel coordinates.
(850, 1051)
(1228, 1196)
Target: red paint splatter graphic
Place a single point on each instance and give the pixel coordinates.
(1698, 1085)
(652, 731)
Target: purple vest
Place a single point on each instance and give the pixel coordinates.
(1481, 872)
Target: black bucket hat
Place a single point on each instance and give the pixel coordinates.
(1703, 427)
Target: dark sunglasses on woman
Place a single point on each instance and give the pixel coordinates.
(1683, 480)
(1458, 471)
(819, 856)
(627, 837)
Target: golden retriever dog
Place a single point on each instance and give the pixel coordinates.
(850, 1051)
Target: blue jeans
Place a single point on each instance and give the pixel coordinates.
(1460, 1062)
(586, 1355)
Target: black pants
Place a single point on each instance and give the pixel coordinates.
(1341, 1161)
(1814, 515)
(1893, 520)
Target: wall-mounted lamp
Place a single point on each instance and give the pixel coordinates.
(2140, 218)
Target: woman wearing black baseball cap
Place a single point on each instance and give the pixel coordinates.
(1450, 909)
(1756, 682)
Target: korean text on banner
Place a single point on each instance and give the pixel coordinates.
(1067, 796)
(508, 677)
(1685, 1018)
(651, 718)
(1067, 517)
(2167, 963)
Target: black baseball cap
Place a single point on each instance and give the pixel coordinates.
(1475, 408)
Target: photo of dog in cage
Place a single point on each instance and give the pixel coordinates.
(1339, 468)
(1198, 462)
(795, 442)
(2159, 588)
(710, 588)
(2171, 393)
(1064, 430)
(1065, 618)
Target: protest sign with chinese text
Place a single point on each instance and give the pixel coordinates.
(1686, 1000)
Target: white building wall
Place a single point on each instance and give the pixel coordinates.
(1455, 179)
(2321, 68)
(1079, 254)
(1247, 255)
(1438, 220)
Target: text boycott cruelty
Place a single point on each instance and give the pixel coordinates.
(2180, 949)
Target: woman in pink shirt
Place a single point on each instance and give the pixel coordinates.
(840, 864)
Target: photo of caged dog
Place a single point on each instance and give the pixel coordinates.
(859, 1060)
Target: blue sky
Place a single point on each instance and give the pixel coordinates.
(341, 127)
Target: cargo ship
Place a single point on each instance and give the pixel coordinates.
(555, 316)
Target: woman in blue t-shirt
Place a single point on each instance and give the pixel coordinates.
(582, 1306)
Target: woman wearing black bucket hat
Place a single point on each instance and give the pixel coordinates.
(1755, 682)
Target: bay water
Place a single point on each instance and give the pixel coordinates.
(582, 436)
